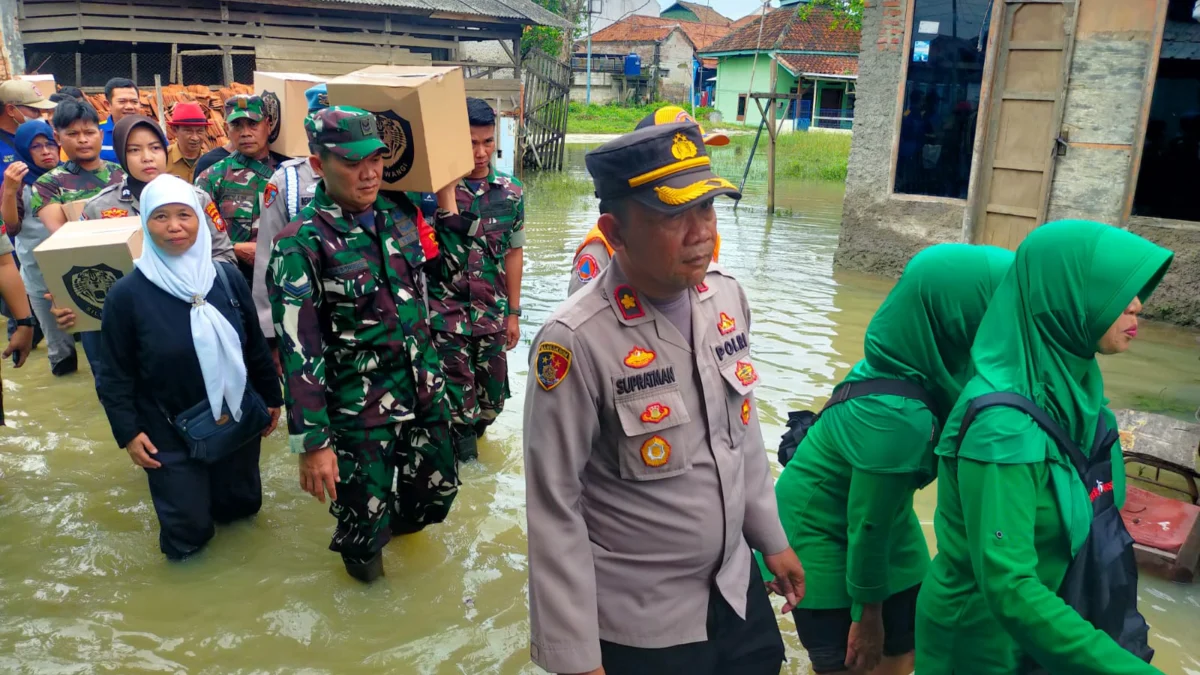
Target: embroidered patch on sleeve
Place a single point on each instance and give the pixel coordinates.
(587, 268)
(214, 214)
(269, 195)
(553, 363)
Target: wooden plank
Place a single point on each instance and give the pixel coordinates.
(1038, 45)
(905, 56)
(337, 54)
(1012, 210)
(1147, 98)
(1029, 96)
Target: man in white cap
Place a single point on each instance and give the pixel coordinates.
(21, 101)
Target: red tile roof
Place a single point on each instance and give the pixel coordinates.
(744, 20)
(637, 28)
(784, 30)
(824, 65)
(705, 14)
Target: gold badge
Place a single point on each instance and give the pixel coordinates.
(655, 413)
(640, 358)
(726, 324)
(656, 451)
(682, 147)
(745, 373)
(746, 412)
(114, 213)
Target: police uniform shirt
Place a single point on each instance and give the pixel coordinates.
(646, 473)
(290, 189)
(592, 260)
(117, 201)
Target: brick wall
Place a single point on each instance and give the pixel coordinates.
(891, 28)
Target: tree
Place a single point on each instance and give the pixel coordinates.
(846, 13)
(555, 41)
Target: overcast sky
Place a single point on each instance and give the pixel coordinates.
(734, 9)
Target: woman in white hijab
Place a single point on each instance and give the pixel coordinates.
(187, 352)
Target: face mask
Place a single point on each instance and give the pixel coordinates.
(23, 119)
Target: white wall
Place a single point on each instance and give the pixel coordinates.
(614, 10)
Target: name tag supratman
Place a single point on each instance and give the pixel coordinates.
(647, 380)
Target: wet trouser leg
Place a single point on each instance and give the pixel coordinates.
(93, 347)
(60, 345)
(180, 491)
(454, 351)
(491, 376)
(735, 646)
(419, 461)
(235, 484)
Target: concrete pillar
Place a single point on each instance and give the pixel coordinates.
(12, 51)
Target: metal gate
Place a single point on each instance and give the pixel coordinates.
(547, 91)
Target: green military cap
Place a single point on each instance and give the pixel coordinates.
(244, 106)
(348, 132)
(664, 166)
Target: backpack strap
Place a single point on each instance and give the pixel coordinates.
(1043, 420)
(224, 281)
(848, 390)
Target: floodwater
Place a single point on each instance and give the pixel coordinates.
(83, 588)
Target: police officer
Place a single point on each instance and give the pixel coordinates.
(647, 482)
(236, 182)
(476, 310)
(290, 189)
(364, 390)
(594, 253)
(140, 146)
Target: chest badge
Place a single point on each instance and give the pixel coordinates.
(553, 364)
(726, 324)
(628, 302)
(745, 373)
(269, 195)
(655, 413)
(640, 358)
(114, 213)
(746, 412)
(656, 451)
(587, 268)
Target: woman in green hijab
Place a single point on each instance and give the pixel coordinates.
(845, 498)
(1013, 511)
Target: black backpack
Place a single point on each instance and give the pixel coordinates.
(800, 421)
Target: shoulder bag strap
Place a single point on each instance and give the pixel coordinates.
(1043, 420)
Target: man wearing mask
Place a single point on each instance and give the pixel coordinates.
(647, 482)
(189, 125)
(123, 99)
(236, 183)
(21, 102)
(290, 189)
(476, 311)
(363, 386)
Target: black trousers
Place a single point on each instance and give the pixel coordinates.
(734, 647)
(190, 497)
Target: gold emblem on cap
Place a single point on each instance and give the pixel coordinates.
(241, 103)
(682, 147)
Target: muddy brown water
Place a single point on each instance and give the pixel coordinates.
(83, 588)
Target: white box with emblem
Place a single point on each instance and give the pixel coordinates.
(82, 260)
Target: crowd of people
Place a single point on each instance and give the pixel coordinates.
(376, 324)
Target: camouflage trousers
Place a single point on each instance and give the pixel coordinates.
(393, 479)
(476, 368)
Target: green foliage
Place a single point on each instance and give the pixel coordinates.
(846, 13)
(617, 119)
(545, 38)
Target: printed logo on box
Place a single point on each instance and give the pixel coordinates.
(396, 133)
(271, 110)
(88, 286)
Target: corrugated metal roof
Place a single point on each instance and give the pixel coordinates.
(524, 11)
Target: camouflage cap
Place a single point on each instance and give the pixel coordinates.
(244, 106)
(348, 132)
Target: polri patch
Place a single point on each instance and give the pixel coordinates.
(746, 412)
(628, 302)
(640, 358)
(114, 213)
(269, 195)
(214, 214)
(587, 268)
(656, 451)
(553, 363)
(745, 373)
(726, 324)
(655, 413)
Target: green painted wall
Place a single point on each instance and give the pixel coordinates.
(733, 80)
(680, 14)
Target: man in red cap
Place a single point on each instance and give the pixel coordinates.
(188, 123)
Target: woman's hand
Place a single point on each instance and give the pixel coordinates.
(864, 647)
(14, 175)
(63, 316)
(140, 449)
(274, 422)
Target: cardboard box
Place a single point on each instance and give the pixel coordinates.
(82, 260)
(74, 210)
(283, 94)
(45, 83)
(422, 115)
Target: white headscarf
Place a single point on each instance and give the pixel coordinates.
(189, 277)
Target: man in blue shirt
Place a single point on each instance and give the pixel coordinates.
(123, 99)
(20, 101)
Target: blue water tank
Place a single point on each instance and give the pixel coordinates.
(633, 65)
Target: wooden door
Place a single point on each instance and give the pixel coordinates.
(1024, 120)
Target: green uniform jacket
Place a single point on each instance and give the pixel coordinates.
(846, 498)
(1012, 512)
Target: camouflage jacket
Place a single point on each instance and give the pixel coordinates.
(350, 311)
(70, 182)
(473, 300)
(235, 184)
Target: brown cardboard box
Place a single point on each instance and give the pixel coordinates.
(82, 260)
(45, 83)
(284, 93)
(422, 113)
(74, 210)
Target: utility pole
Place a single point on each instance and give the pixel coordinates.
(771, 131)
(589, 53)
(12, 50)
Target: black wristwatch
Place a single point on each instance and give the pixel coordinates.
(27, 322)
(514, 311)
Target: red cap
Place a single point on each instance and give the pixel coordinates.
(188, 114)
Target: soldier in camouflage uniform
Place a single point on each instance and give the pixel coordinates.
(290, 189)
(476, 309)
(364, 390)
(236, 183)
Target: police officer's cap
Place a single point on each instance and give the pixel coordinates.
(664, 167)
